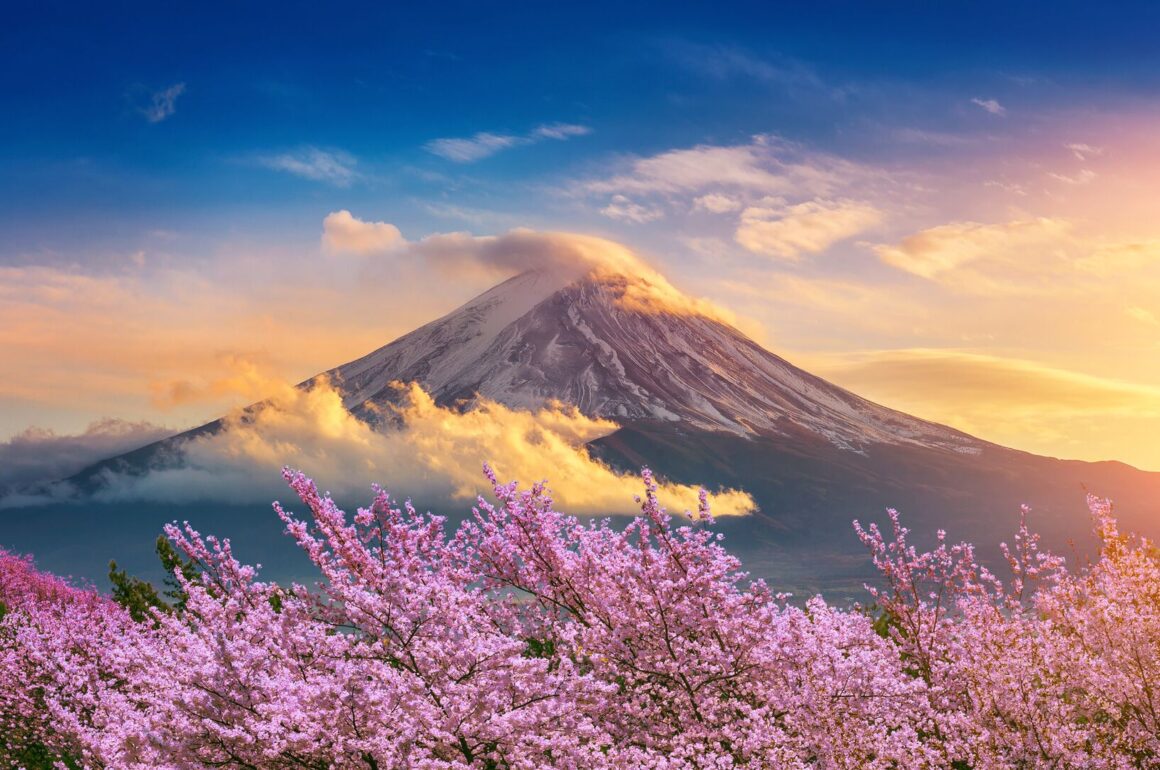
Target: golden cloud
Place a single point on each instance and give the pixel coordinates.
(1014, 402)
(991, 255)
(436, 453)
(245, 376)
(1132, 257)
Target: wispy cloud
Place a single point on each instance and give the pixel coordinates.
(559, 131)
(785, 200)
(697, 168)
(485, 144)
(766, 166)
(1143, 315)
(947, 252)
(989, 105)
(1011, 187)
(624, 209)
(1013, 401)
(722, 62)
(1052, 410)
(1084, 176)
(1084, 151)
(1132, 257)
(716, 203)
(474, 148)
(788, 232)
(462, 213)
(331, 166)
(966, 376)
(909, 135)
(162, 104)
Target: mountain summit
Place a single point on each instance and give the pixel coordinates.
(629, 349)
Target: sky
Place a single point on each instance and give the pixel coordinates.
(949, 208)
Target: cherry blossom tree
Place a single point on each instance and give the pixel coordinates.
(527, 638)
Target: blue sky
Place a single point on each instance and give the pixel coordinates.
(378, 81)
(898, 196)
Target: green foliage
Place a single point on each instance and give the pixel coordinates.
(882, 620)
(37, 757)
(540, 648)
(141, 597)
(134, 594)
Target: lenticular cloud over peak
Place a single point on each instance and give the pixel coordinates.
(563, 256)
(516, 251)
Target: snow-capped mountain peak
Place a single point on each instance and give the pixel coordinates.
(627, 348)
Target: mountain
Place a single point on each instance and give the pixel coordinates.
(593, 343)
(700, 402)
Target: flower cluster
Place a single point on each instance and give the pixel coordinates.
(528, 638)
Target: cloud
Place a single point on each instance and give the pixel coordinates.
(622, 208)
(38, 454)
(726, 62)
(435, 454)
(1123, 258)
(1084, 176)
(1084, 151)
(698, 168)
(245, 376)
(569, 256)
(724, 178)
(484, 144)
(559, 131)
(477, 147)
(1018, 247)
(1011, 187)
(162, 104)
(331, 166)
(1011, 401)
(462, 213)
(789, 231)
(716, 203)
(1143, 315)
(788, 200)
(965, 377)
(989, 105)
(932, 138)
(343, 233)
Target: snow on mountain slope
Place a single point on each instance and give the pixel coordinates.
(443, 349)
(543, 336)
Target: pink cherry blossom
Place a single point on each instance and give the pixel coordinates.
(528, 638)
